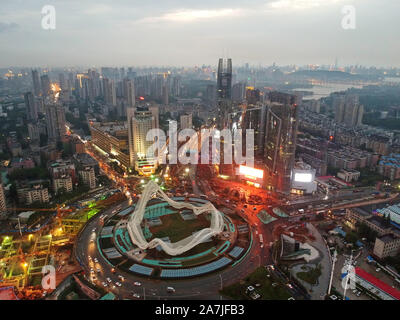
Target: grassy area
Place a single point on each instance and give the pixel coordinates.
(266, 290)
(310, 276)
(174, 227)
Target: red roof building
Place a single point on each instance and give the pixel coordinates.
(376, 286)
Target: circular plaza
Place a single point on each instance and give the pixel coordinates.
(176, 238)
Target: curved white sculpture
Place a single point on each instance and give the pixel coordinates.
(177, 248)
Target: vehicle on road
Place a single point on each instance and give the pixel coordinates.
(118, 284)
(121, 278)
(104, 284)
(108, 280)
(137, 283)
(135, 295)
(170, 290)
(96, 260)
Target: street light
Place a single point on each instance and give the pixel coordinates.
(187, 170)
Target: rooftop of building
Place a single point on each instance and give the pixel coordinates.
(377, 283)
(388, 238)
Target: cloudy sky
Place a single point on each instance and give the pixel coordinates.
(194, 32)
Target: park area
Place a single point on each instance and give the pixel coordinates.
(265, 284)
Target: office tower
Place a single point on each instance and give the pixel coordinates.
(348, 110)
(224, 92)
(224, 79)
(186, 121)
(55, 121)
(45, 83)
(36, 83)
(129, 92)
(31, 110)
(280, 140)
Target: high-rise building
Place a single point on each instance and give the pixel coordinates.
(109, 92)
(55, 121)
(224, 92)
(129, 92)
(36, 83)
(33, 132)
(348, 110)
(280, 140)
(31, 109)
(139, 123)
(45, 84)
(224, 79)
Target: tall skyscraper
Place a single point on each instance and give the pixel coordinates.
(36, 83)
(55, 121)
(224, 79)
(224, 92)
(31, 109)
(280, 140)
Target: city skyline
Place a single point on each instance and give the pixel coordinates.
(189, 33)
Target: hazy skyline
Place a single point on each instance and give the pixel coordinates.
(185, 33)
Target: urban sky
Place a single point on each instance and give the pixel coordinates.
(192, 32)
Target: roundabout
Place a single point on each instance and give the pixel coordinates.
(209, 248)
(164, 237)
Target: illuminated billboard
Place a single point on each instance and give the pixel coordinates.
(303, 177)
(251, 173)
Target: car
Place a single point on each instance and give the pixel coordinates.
(291, 298)
(378, 269)
(108, 280)
(90, 258)
(135, 295)
(274, 284)
(333, 297)
(121, 278)
(118, 284)
(170, 289)
(290, 286)
(137, 283)
(94, 230)
(355, 291)
(98, 270)
(358, 293)
(255, 296)
(257, 285)
(96, 260)
(104, 284)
